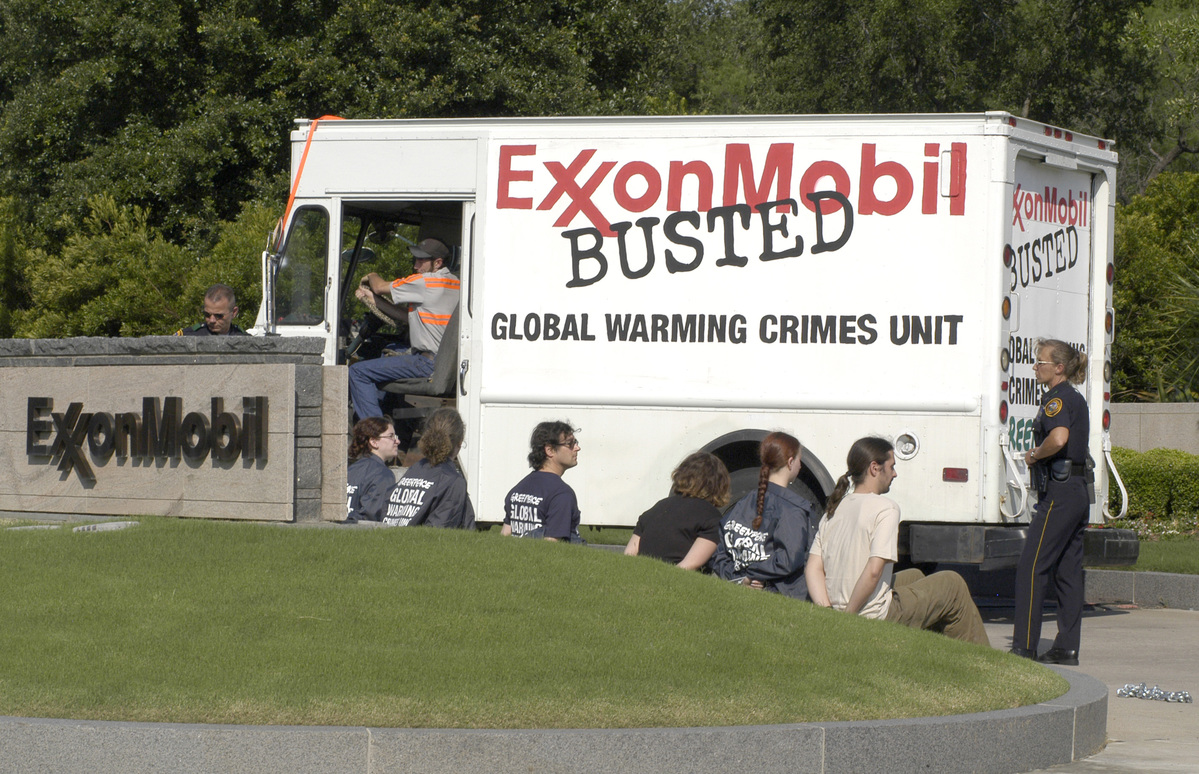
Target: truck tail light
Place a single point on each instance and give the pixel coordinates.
(1003, 411)
(1107, 419)
(959, 475)
(1111, 273)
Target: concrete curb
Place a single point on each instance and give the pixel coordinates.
(1144, 589)
(1070, 727)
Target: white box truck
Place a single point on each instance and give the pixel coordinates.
(674, 284)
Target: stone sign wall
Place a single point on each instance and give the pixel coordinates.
(229, 428)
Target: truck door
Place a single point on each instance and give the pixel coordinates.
(1049, 260)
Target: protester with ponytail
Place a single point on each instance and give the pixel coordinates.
(764, 538)
(433, 491)
(857, 544)
(1058, 465)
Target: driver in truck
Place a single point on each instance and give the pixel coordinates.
(431, 294)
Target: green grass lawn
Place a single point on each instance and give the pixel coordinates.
(1180, 556)
(198, 621)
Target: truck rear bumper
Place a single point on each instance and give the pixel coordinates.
(997, 547)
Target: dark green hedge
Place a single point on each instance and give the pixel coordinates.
(1161, 483)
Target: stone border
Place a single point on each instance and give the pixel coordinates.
(1145, 589)
(1068, 728)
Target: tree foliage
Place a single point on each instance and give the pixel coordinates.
(1157, 251)
(1167, 39)
(160, 126)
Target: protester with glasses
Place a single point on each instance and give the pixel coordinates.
(542, 505)
(369, 479)
(220, 307)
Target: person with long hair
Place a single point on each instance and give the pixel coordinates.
(764, 538)
(369, 479)
(857, 544)
(1058, 465)
(433, 491)
(684, 528)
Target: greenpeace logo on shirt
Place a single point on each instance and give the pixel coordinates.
(745, 545)
(523, 514)
(406, 501)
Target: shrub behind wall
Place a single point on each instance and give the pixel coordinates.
(1161, 483)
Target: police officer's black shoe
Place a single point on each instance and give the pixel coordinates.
(1059, 656)
(1022, 653)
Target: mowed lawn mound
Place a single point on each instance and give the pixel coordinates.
(212, 622)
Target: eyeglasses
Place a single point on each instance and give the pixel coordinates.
(569, 443)
(389, 437)
(1043, 362)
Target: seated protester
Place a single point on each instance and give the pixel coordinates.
(765, 537)
(683, 528)
(370, 481)
(542, 505)
(433, 491)
(850, 565)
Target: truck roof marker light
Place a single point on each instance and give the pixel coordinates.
(1005, 360)
(1107, 371)
(1048, 132)
(1003, 411)
(1006, 308)
(1057, 134)
(1103, 145)
(1111, 273)
(1011, 120)
(1107, 419)
(956, 475)
(1069, 137)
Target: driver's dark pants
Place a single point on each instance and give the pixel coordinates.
(367, 375)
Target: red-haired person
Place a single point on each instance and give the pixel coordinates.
(684, 528)
(764, 539)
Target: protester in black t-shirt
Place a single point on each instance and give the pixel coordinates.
(542, 505)
(684, 528)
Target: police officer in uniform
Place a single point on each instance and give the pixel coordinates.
(1059, 471)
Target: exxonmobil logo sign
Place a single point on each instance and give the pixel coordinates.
(778, 198)
(160, 431)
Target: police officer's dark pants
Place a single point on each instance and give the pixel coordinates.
(1053, 551)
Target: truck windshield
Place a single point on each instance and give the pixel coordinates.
(300, 279)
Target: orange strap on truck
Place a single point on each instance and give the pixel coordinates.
(278, 235)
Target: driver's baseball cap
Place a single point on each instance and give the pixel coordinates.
(430, 248)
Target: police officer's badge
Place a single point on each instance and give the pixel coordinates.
(1053, 407)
